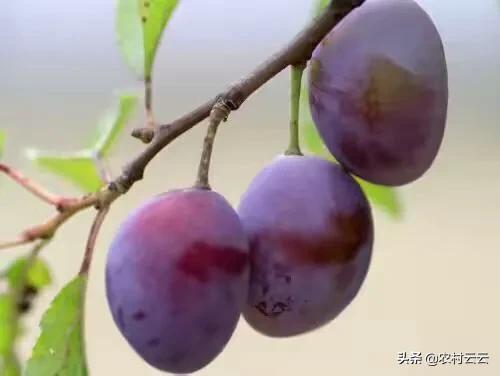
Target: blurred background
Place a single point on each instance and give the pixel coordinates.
(433, 284)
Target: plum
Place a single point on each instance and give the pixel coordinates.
(311, 236)
(379, 91)
(177, 278)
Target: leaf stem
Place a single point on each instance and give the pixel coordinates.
(103, 167)
(147, 133)
(148, 101)
(296, 84)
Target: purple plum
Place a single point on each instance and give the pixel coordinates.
(379, 91)
(311, 236)
(177, 278)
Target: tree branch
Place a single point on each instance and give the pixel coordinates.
(46, 230)
(298, 51)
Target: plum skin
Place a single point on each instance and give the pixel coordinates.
(311, 239)
(379, 91)
(177, 278)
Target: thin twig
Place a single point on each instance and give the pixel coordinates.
(31, 186)
(47, 229)
(15, 243)
(91, 241)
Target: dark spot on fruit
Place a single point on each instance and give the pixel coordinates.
(153, 342)
(146, 4)
(276, 309)
(201, 258)
(139, 315)
(121, 321)
(279, 308)
(340, 245)
(144, 19)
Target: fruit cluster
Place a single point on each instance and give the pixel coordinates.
(185, 265)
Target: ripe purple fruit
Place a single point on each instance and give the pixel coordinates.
(311, 237)
(379, 91)
(177, 278)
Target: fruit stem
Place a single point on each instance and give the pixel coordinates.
(219, 113)
(296, 83)
(91, 241)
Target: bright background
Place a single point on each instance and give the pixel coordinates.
(433, 284)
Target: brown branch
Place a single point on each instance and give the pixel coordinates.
(32, 187)
(46, 230)
(91, 241)
(296, 52)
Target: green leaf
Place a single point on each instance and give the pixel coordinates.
(113, 123)
(38, 275)
(7, 324)
(9, 364)
(155, 15)
(60, 350)
(385, 198)
(79, 168)
(2, 142)
(130, 35)
(139, 26)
